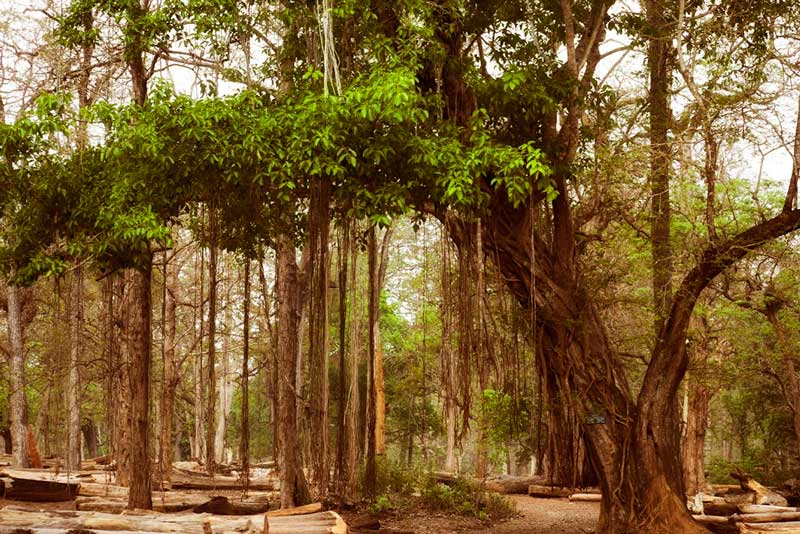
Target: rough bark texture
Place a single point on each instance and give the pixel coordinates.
(171, 374)
(694, 478)
(119, 367)
(138, 337)
(370, 475)
(319, 229)
(72, 457)
(211, 381)
(293, 490)
(18, 403)
(244, 444)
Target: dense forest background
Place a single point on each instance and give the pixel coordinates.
(358, 237)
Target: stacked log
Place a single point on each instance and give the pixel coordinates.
(41, 522)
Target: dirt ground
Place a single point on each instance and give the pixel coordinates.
(537, 516)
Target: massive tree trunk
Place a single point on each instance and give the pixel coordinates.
(319, 226)
(73, 387)
(138, 337)
(18, 402)
(293, 486)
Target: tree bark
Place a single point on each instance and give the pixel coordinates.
(171, 374)
(18, 402)
(370, 475)
(319, 229)
(694, 444)
(211, 382)
(73, 387)
(244, 444)
(138, 337)
(293, 486)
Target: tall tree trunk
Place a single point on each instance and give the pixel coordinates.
(370, 475)
(380, 389)
(343, 251)
(225, 382)
(660, 69)
(18, 402)
(293, 486)
(448, 360)
(171, 374)
(73, 386)
(120, 361)
(244, 444)
(138, 330)
(319, 229)
(353, 402)
(694, 477)
(199, 383)
(211, 382)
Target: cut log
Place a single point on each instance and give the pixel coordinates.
(763, 495)
(172, 501)
(297, 510)
(711, 519)
(20, 488)
(222, 506)
(536, 490)
(319, 523)
(764, 508)
(763, 528)
(769, 517)
(184, 480)
(513, 485)
(586, 497)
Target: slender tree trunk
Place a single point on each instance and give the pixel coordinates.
(171, 374)
(225, 383)
(370, 476)
(18, 402)
(380, 389)
(293, 486)
(211, 382)
(353, 403)
(73, 386)
(199, 383)
(119, 358)
(343, 251)
(244, 444)
(448, 360)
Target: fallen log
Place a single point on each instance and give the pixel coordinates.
(23, 488)
(222, 506)
(297, 510)
(183, 480)
(763, 495)
(763, 528)
(536, 490)
(586, 497)
(763, 508)
(513, 485)
(711, 519)
(769, 517)
(319, 523)
(171, 502)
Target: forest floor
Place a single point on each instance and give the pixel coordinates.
(536, 516)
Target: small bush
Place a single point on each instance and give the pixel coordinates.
(381, 504)
(466, 498)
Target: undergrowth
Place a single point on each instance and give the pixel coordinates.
(403, 489)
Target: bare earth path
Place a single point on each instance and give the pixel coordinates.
(538, 516)
(551, 516)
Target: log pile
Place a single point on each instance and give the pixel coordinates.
(50, 522)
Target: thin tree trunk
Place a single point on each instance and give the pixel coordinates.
(138, 329)
(343, 251)
(73, 386)
(211, 382)
(380, 389)
(353, 404)
(370, 476)
(199, 383)
(448, 358)
(225, 383)
(171, 375)
(18, 402)
(120, 359)
(244, 444)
